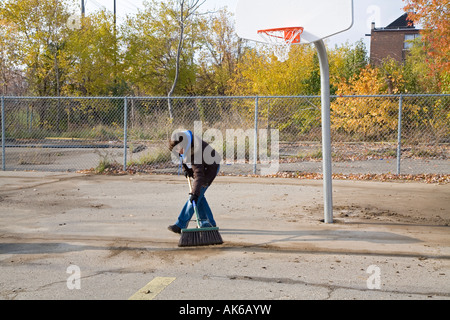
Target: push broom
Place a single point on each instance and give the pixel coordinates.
(199, 236)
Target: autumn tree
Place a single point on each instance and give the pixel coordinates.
(11, 76)
(368, 118)
(38, 30)
(220, 53)
(37, 34)
(96, 68)
(183, 14)
(259, 72)
(148, 50)
(435, 17)
(151, 42)
(418, 78)
(353, 59)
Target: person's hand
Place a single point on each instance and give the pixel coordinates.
(193, 197)
(188, 172)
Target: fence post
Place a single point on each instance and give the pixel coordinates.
(255, 138)
(399, 138)
(3, 135)
(125, 132)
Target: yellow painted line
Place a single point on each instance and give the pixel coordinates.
(152, 289)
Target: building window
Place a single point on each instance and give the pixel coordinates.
(409, 40)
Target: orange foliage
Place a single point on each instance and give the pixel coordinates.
(434, 15)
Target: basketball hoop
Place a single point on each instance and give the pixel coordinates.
(281, 40)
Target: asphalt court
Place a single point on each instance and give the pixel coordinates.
(88, 237)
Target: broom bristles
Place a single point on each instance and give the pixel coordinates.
(200, 237)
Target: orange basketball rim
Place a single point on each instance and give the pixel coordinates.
(290, 35)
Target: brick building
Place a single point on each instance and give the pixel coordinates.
(392, 41)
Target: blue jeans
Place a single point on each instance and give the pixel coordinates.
(204, 211)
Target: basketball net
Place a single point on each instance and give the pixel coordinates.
(281, 40)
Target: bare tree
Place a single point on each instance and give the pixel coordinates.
(186, 10)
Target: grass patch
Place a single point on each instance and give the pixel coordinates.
(105, 162)
(425, 153)
(155, 156)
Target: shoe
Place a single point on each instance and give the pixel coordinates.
(174, 228)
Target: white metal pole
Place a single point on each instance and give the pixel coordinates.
(326, 131)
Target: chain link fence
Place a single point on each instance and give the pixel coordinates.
(407, 134)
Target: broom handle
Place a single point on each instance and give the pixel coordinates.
(190, 185)
(193, 203)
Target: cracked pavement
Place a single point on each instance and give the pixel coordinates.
(113, 228)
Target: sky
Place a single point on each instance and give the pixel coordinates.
(382, 12)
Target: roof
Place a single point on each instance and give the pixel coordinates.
(402, 23)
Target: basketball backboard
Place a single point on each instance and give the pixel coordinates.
(319, 18)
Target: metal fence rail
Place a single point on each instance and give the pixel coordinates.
(408, 134)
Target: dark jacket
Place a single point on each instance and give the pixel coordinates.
(205, 162)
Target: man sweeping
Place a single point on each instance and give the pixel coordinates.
(202, 163)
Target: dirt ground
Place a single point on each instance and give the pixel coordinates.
(115, 226)
(399, 202)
